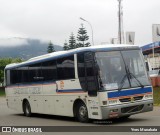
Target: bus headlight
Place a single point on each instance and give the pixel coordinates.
(113, 102)
(149, 96)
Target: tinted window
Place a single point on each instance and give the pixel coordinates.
(35, 73)
(89, 56)
(13, 76)
(16, 75)
(49, 70)
(81, 67)
(81, 70)
(90, 75)
(22, 74)
(87, 77)
(25, 74)
(65, 68)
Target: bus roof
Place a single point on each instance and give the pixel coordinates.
(54, 55)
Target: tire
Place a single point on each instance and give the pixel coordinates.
(82, 113)
(27, 109)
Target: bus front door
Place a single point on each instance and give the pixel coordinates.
(92, 86)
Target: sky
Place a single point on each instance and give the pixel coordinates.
(55, 19)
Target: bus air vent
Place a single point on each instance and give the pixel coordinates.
(132, 109)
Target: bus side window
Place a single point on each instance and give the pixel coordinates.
(23, 74)
(13, 75)
(49, 70)
(17, 75)
(81, 70)
(35, 73)
(65, 68)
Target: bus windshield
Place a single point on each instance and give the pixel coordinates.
(121, 69)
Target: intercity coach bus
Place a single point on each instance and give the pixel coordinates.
(97, 82)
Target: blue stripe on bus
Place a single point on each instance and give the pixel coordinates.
(129, 92)
(70, 90)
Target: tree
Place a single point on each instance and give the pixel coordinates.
(3, 63)
(72, 42)
(82, 37)
(65, 47)
(50, 48)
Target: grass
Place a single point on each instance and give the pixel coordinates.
(156, 96)
(2, 92)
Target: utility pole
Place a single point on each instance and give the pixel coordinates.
(120, 23)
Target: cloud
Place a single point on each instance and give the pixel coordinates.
(11, 42)
(56, 19)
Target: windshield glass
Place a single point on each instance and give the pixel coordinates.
(113, 72)
(134, 62)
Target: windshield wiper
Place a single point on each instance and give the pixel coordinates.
(122, 82)
(132, 75)
(129, 75)
(142, 86)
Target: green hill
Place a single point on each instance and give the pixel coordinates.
(28, 49)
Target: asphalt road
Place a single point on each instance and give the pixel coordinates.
(10, 117)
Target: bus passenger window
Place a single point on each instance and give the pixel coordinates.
(65, 68)
(81, 70)
(13, 76)
(35, 74)
(49, 70)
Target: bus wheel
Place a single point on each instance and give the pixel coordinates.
(27, 109)
(82, 112)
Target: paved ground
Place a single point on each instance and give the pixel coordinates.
(9, 117)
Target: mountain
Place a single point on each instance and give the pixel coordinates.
(24, 48)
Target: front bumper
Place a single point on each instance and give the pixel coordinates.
(123, 110)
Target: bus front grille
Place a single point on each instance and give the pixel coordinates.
(125, 100)
(131, 99)
(138, 98)
(132, 109)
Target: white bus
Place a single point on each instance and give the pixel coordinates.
(98, 82)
